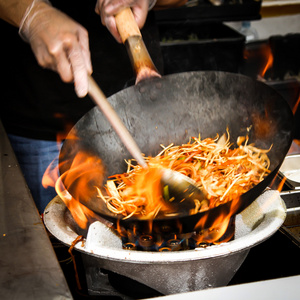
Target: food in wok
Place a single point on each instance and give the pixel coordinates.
(223, 172)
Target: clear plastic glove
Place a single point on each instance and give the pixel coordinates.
(107, 9)
(59, 43)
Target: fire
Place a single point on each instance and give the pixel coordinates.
(213, 234)
(77, 185)
(67, 126)
(269, 61)
(147, 189)
(81, 214)
(296, 106)
(261, 57)
(218, 230)
(74, 185)
(280, 185)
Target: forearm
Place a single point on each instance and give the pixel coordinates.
(164, 4)
(12, 11)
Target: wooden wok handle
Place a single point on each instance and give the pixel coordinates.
(137, 51)
(127, 25)
(99, 98)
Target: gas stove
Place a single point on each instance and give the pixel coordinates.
(107, 266)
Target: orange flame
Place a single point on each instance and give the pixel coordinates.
(263, 55)
(296, 106)
(218, 229)
(147, 188)
(281, 184)
(269, 61)
(77, 185)
(67, 126)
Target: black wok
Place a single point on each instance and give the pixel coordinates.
(173, 108)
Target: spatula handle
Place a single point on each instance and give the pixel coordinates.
(99, 98)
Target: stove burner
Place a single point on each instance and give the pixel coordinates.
(195, 269)
(170, 241)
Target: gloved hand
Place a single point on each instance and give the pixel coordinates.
(107, 9)
(58, 42)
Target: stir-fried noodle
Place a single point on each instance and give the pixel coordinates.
(222, 172)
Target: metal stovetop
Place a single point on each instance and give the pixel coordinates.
(28, 265)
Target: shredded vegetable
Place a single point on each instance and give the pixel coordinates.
(224, 173)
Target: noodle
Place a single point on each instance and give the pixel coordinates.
(222, 173)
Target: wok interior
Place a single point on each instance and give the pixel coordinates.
(174, 108)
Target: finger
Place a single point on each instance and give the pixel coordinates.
(114, 6)
(110, 23)
(79, 71)
(140, 13)
(63, 67)
(84, 44)
(55, 58)
(99, 6)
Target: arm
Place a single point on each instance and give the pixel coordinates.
(58, 42)
(12, 11)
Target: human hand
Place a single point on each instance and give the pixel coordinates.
(59, 43)
(107, 9)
